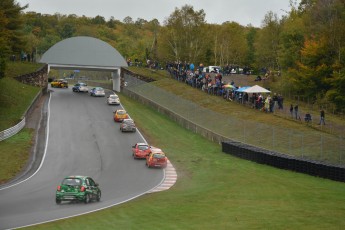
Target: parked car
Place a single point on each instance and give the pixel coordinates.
(60, 83)
(212, 69)
(120, 115)
(141, 150)
(80, 87)
(97, 92)
(128, 125)
(156, 159)
(113, 99)
(78, 188)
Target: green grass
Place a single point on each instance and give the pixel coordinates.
(213, 191)
(153, 73)
(15, 97)
(217, 191)
(241, 123)
(14, 154)
(19, 68)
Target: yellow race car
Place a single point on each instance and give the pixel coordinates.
(60, 83)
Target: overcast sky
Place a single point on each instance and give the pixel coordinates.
(217, 11)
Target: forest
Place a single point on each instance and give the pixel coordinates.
(307, 45)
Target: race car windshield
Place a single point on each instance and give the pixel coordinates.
(143, 147)
(71, 181)
(158, 156)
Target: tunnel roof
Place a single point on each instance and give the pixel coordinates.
(83, 51)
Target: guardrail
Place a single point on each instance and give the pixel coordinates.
(38, 78)
(12, 131)
(20, 125)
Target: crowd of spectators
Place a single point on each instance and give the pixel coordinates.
(209, 79)
(213, 84)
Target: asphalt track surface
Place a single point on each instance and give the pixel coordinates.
(82, 139)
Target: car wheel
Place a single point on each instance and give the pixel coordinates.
(57, 201)
(98, 198)
(87, 198)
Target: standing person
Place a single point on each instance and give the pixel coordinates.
(296, 113)
(291, 110)
(267, 104)
(280, 101)
(322, 117)
(274, 103)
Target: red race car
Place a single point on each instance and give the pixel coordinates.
(156, 159)
(141, 150)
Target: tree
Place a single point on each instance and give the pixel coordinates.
(10, 35)
(128, 20)
(112, 22)
(314, 71)
(67, 30)
(291, 39)
(232, 44)
(183, 34)
(267, 43)
(98, 20)
(250, 55)
(337, 93)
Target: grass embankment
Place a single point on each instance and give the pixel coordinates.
(235, 110)
(275, 131)
(14, 153)
(217, 191)
(15, 98)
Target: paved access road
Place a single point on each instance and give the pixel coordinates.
(82, 139)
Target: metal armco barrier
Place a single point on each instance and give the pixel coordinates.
(12, 131)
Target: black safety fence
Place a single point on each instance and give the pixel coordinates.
(282, 161)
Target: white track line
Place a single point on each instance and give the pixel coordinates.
(169, 179)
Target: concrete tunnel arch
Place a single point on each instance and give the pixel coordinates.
(86, 53)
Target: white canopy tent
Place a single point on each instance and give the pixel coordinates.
(256, 89)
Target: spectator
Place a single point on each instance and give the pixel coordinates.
(259, 102)
(275, 102)
(267, 104)
(322, 117)
(291, 110)
(258, 78)
(296, 113)
(191, 67)
(280, 101)
(307, 117)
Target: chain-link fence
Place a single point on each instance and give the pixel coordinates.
(316, 146)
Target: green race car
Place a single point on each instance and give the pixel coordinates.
(78, 188)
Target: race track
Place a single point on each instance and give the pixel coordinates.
(82, 139)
